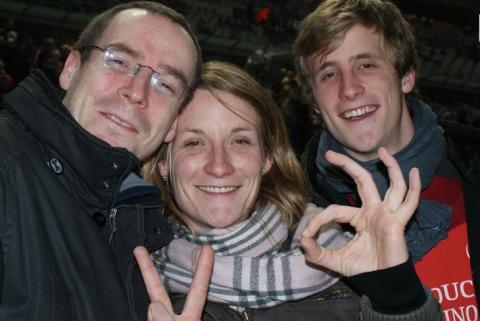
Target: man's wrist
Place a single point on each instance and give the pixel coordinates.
(395, 290)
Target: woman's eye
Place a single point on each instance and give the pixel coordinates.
(242, 141)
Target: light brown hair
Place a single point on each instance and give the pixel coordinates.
(323, 30)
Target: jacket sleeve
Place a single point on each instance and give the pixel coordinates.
(395, 293)
(429, 311)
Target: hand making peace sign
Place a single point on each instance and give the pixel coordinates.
(160, 308)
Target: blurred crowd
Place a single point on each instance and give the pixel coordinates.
(19, 55)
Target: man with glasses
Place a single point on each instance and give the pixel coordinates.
(66, 233)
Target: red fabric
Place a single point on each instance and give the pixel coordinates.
(446, 268)
(262, 14)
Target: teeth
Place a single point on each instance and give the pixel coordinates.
(218, 189)
(119, 121)
(359, 112)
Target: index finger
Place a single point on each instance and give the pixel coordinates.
(151, 278)
(197, 295)
(333, 213)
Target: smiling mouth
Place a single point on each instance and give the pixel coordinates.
(120, 122)
(359, 113)
(218, 189)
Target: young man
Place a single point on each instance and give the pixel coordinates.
(357, 59)
(66, 237)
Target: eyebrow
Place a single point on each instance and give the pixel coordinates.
(137, 55)
(192, 131)
(357, 57)
(242, 129)
(234, 130)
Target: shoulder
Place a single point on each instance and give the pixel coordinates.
(460, 132)
(15, 141)
(463, 145)
(318, 192)
(310, 152)
(311, 210)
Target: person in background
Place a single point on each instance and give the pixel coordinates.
(358, 61)
(6, 81)
(16, 62)
(231, 180)
(66, 232)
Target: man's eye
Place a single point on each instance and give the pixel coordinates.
(167, 87)
(118, 63)
(163, 86)
(192, 143)
(367, 66)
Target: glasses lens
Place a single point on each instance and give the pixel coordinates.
(167, 84)
(119, 61)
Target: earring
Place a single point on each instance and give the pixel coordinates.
(165, 180)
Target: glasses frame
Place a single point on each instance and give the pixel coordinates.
(134, 71)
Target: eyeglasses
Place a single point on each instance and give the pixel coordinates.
(164, 82)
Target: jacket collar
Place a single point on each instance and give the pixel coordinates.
(102, 167)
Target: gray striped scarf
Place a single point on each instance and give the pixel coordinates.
(253, 268)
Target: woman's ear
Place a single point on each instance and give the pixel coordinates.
(162, 168)
(267, 165)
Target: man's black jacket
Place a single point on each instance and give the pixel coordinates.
(66, 248)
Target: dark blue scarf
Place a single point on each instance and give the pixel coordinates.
(426, 150)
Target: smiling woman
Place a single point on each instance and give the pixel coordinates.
(217, 161)
(236, 135)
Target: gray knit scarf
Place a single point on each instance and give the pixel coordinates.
(251, 268)
(425, 151)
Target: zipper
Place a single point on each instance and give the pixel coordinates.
(330, 294)
(245, 315)
(113, 223)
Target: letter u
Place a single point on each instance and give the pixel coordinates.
(448, 297)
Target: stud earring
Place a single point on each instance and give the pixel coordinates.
(165, 180)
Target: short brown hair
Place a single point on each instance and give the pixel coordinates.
(284, 185)
(99, 23)
(322, 31)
